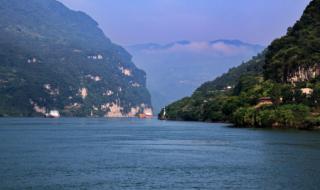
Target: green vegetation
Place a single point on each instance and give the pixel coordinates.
(44, 43)
(279, 88)
(298, 49)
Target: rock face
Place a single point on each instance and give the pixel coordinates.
(303, 74)
(56, 59)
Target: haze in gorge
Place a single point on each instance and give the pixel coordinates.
(182, 44)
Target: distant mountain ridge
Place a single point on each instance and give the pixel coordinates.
(157, 46)
(59, 60)
(177, 68)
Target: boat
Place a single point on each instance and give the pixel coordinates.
(53, 114)
(145, 116)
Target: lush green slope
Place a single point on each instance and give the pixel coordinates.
(279, 88)
(52, 58)
(295, 56)
(211, 101)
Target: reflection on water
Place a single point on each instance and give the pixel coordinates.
(150, 154)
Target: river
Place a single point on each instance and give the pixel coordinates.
(99, 153)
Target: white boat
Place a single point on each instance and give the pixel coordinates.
(53, 114)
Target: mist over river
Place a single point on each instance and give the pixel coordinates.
(150, 154)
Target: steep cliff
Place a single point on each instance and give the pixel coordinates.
(53, 58)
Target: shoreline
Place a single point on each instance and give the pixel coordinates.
(232, 125)
(228, 124)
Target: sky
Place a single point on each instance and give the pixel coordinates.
(128, 22)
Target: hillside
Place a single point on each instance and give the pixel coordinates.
(208, 101)
(53, 58)
(295, 57)
(231, 78)
(279, 88)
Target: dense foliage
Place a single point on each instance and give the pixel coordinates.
(259, 93)
(48, 53)
(300, 48)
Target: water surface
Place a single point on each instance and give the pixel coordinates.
(150, 154)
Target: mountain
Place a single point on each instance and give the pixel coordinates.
(59, 60)
(295, 56)
(279, 88)
(176, 69)
(219, 46)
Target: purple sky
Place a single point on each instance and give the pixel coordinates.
(138, 21)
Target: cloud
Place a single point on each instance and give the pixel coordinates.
(193, 47)
(227, 49)
(217, 48)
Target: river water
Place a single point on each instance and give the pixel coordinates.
(150, 154)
